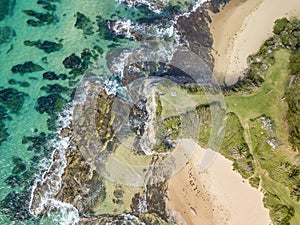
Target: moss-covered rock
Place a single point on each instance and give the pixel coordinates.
(27, 67)
(46, 46)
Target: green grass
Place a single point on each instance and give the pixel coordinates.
(274, 166)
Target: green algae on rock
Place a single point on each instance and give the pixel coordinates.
(46, 46)
(27, 67)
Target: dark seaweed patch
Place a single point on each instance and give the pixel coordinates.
(50, 104)
(27, 67)
(103, 29)
(47, 5)
(84, 23)
(72, 62)
(12, 99)
(3, 130)
(55, 88)
(15, 205)
(50, 76)
(6, 34)
(20, 83)
(99, 49)
(19, 165)
(6, 8)
(43, 18)
(37, 143)
(46, 46)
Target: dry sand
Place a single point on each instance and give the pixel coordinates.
(215, 196)
(241, 28)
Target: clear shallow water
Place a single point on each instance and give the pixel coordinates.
(28, 121)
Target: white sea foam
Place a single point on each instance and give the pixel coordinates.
(65, 214)
(126, 28)
(123, 27)
(154, 5)
(196, 5)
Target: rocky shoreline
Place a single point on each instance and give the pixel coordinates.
(91, 136)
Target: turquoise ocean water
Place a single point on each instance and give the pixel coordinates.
(26, 140)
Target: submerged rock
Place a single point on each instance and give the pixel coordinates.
(46, 46)
(27, 67)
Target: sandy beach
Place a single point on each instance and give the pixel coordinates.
(240, 29)
(217, 195)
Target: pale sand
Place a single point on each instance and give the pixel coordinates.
(216, 196)
(241, 28)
